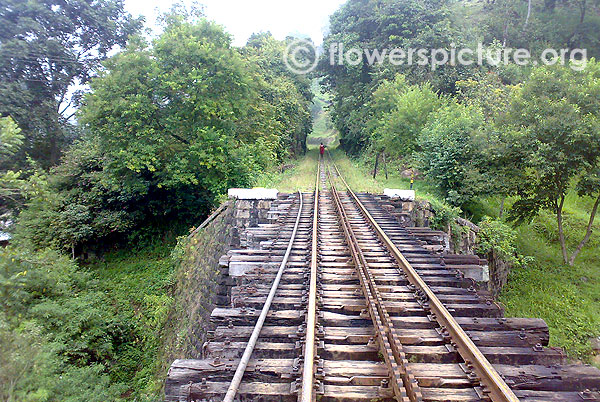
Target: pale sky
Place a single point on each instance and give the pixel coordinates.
(243, 17)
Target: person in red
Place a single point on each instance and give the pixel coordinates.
(322, 149)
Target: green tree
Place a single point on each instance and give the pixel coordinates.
(490, 95)
(166, 118)
(451, 153)
(11, 182)
(11, 139)
(397, 131)
(169, 129)
(555, 123)
(539, 24)
(78, 203)
(290, 94)
(45, 48)
(379, 24)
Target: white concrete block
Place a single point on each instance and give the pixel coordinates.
(241, 268)
(257, 193)
(475, 272)
(404, 195)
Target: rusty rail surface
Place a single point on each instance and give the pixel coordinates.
(308, 374)
(335, 312)
(404, 383)
(492, 382)
(241, 368)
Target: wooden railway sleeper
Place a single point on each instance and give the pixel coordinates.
(404, 383)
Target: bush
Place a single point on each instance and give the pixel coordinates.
(450, 154)
(496, 236)
(53, 331)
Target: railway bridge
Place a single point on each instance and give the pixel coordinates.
(342, 303)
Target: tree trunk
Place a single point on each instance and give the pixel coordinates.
(561, 234)
(505, 35)
(582, 7)
(501, 212)
(385, 166)
(549, 5)
(588, 232)
(376, 164)
(73, 250)
(528, 12)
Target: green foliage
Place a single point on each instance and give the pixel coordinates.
(79, 338)
(29, 277)
(78, 203)
(555, 123)
(164, 114)
(168, 136)
(32, 371)
(497, 237)
(450, 152)
(139, 284)
(11, 139)
(487, 93)
(62, 330)
(551, 23)
(403, 112)
(444, 215)
(566, 297)
(46, 46)
(377, 24)
(11, 182)
(289, 94)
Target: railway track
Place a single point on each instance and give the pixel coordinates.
(343, 304)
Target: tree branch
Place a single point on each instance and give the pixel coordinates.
(71, 115)
(66, 107)
(176, 136)
(186, 142)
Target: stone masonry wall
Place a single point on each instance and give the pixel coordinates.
(197, 277)
(461, 240)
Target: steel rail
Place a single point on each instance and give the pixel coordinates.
(491, 381)
(241, 368)
(308, 375)
(404, 384)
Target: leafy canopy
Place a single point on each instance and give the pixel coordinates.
(45, 48)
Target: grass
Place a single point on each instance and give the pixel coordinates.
(300, 177)
(138, 282)
(567, 298)
(359, 175)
